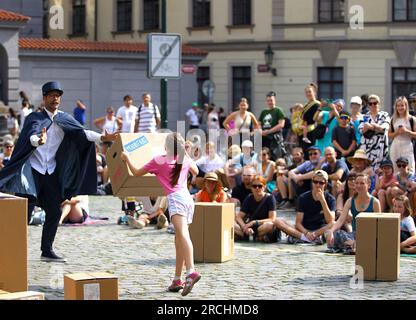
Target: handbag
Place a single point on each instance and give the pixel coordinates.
(321, 129)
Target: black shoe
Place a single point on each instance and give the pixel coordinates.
(51, 257)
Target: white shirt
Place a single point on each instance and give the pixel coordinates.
(128, 115)
(193, 117)
(210, 165)
(148, 208)
(23, 114)
(43, 158)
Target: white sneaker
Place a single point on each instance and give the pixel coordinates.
(306, 140)
(162, 222)
(137, 224)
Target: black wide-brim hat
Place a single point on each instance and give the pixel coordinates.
(52, 86)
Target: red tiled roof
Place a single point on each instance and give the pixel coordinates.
(93, 46)
(11, 16)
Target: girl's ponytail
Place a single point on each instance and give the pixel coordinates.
(175, 145)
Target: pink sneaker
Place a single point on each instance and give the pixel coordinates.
(190, 281)
(175, 286)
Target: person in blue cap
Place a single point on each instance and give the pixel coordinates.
(54, 160)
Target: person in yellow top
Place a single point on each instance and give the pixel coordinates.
(297, 122)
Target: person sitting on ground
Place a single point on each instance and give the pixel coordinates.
(257, 215)
(153, 212)
(344, 194)
(210, 162)
(340, 240)
(300, 178)
(102, 169)
(343, 136)
(212, 190)
(231, 169)
(336, 169)
(362, 164)
(266, 168)
(384, 183)
(243, 190)
(74, 210)
(406, 184)
(401, 204)
(315, 213)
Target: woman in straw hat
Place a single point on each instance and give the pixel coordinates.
(212, 190)
(362, 164)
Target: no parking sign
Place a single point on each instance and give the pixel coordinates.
(164, 56)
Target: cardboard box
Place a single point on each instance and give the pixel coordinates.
(142, 147)
(13, 243)
(212, 232)
(91, 286)
(378, 245)
(26, 295)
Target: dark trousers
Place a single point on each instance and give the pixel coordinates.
(49, 198)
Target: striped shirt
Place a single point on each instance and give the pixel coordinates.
(147, 120)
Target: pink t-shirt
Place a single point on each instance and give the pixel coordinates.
(162, 166)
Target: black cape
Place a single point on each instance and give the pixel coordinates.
(75, 159)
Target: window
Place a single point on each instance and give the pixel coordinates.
(241, 85)
(151, 14)
(404, 10)
(124, 15)
(331, 10)
(404, 82)
(241, 12)
(201, 76)
(78, 17)
(331, 83)
(201, 13)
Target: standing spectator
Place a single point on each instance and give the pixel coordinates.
(213, 120)
(148, 115)
(243, 121)
(8, 148)
(25, 98)
(315, 212)
(110, 124)
(212, 190)
(193, 116)
(374, 140)
(272, 121)
(204, 117)
(356, 116)
(257, 215)
(222, 117)
(330, 120)
(310, 112)
(364, 100)
(12, 123)
(336, 169)
(79, 112)
(402, 132)
(412, 103)
(127, 114)
(343, 136)
(26, 110)
(363, 201)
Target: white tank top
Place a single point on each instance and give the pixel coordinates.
(110, 125)
(243, 123)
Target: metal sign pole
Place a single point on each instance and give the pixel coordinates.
(164, 82)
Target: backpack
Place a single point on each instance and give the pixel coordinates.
(321, 129)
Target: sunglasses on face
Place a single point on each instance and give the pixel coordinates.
(9, 147)
(344, 118)
(373, 103)
(257, 186)
(401, 165)
(110, 111)
(313, 153)
(322, 183)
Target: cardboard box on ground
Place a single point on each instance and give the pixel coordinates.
(378, 245)
(142, 147)
(212, 232)
(13, 243)
(91, 286)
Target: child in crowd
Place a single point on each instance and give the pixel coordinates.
(401, 204)
(298, 126)
(384, 183)
(171, 171)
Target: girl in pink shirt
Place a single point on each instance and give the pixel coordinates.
(172, 171)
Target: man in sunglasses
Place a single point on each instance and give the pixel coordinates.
(300, 177)
(343, 136)
(7, 153)
(315, 212)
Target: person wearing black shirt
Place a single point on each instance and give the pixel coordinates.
(243, 190)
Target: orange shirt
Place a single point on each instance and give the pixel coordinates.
(203, 196)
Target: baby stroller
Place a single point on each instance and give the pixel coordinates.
(131, 208)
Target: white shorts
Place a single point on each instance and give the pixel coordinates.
(181, 203)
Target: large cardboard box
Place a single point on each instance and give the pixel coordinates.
(26, 295)
(142, 147)
(378, 245)
(91, 286)
(13, 243)
(212, 232)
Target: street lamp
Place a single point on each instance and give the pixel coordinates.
(268, 56)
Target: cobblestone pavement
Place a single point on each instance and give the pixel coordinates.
(144, 261)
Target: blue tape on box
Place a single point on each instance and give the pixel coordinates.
(136, 144)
